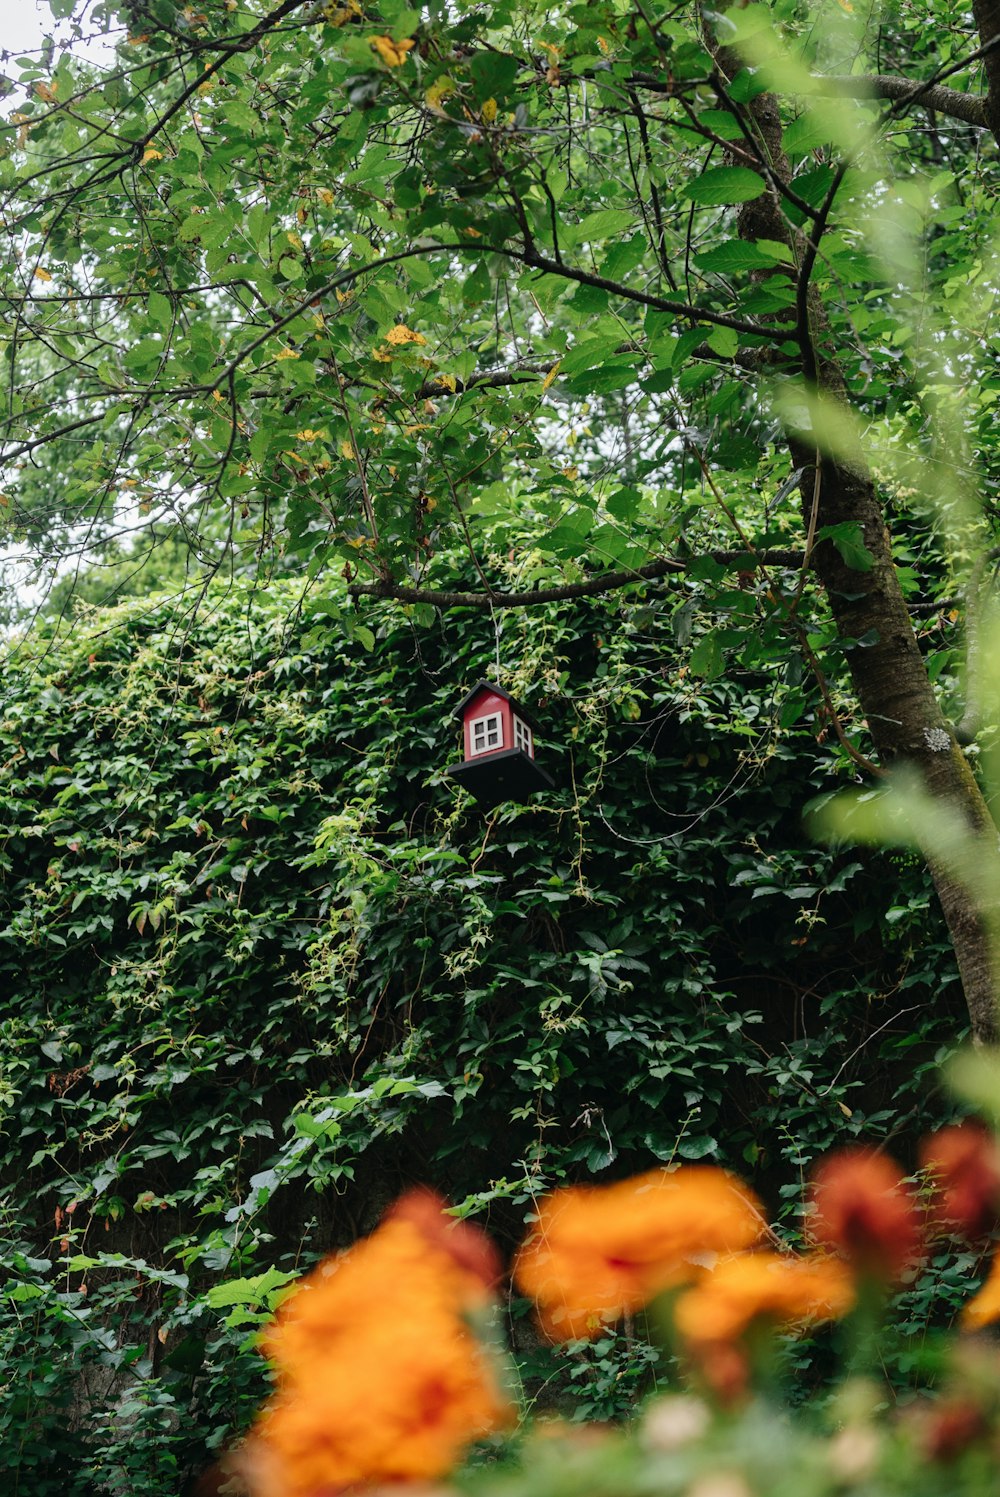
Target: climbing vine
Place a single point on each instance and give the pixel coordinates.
(264, 963)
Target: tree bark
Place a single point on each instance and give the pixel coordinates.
(987, 17)
(887, 668)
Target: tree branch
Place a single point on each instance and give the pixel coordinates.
(948, 101)
(607, 582)
(934, 96)
(491, 379)
(241, 44)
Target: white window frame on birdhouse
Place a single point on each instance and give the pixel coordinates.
(485, 734)
(522, 737)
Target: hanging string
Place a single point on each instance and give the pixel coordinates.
(497, 631)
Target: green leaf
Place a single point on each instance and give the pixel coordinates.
(724, 341)
(251, 1291)
(747, 85)
(698, 1146)
(477, 287)
(600, 225)
(722, 123)
(624, 504)
(974, 1075)
(192, 227)
(813, 186)
(589, 353)
(707, 658)
(724, 185)
(740, 254)
(613, 374)
(848, 538)
(160, 309)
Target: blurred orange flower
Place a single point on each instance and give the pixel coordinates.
(965, 1164)
(378, 1377)
(756, 1286)
(863, 1210)
(469, 1248)
(341, 1299)
(599, 1252)
(984, 1308)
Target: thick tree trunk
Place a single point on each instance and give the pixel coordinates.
(887, 669)
(987, 15)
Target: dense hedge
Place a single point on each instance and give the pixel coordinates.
(262, 963)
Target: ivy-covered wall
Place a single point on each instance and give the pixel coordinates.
(262, 963)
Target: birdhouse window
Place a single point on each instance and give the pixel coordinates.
(522, 738)
(487, 733)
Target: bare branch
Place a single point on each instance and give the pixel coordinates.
(948, 101)
(607, 582)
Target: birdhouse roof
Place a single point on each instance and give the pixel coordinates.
(496, 691)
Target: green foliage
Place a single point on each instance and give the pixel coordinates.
(329, 302)
(314, 303)
(263, 963)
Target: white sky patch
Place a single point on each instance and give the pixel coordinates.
(24, 25)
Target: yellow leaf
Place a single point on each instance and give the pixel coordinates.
(472, 233)
(325, 196)
(346, 450)
(438, 92)
(152, 154)
(300, 214)
(550, 378)
(336, 15)
(42, 275)
(287, 353)
(450, 382)
(216, 394)
(342, 296)
(402, 334)
(489, 111)
(45, 92)
(393, 54)
(382, 358)
(295, 240)
(308, 435)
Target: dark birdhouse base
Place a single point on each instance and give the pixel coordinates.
(509, 775)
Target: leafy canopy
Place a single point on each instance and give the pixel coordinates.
(321, 287)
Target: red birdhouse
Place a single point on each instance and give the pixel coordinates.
(499, 747)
